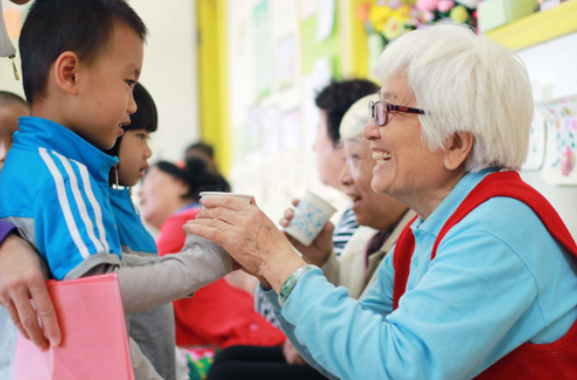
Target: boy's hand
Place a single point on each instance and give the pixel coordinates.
(22, 279)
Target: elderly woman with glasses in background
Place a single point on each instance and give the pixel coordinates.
(483, 283)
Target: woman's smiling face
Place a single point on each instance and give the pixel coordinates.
(378, 211)
(406, 168)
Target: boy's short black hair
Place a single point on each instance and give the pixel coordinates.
(145, 118)
(81, 26)
(203, 147)
(9, 99)
(336, 99)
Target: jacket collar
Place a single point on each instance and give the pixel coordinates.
(35, 132)
(443, 212)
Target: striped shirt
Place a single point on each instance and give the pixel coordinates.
(344, 230)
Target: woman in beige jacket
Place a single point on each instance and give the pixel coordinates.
(381, 217)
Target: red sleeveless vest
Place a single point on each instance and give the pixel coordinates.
(554, 361)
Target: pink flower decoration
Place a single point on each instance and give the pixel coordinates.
(445, 5)
(427, 5)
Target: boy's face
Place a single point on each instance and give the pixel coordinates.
(105, 99)
(133, 157)
(8, 125)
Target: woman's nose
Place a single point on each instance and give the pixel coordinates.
(371, 131)
(345, 175)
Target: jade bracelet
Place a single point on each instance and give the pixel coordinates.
(290, 283)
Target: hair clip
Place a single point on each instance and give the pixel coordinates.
(14, 66)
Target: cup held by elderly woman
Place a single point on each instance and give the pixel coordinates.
(483, 283)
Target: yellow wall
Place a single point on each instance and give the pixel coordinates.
(356, 38)
(212, 78)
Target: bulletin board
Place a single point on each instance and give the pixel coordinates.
(552, 72)
(281, 53)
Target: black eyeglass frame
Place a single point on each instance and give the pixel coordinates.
(391, 108)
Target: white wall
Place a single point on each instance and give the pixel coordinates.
(170, 72)
(552, 66)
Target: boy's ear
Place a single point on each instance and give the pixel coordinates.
(66, 70)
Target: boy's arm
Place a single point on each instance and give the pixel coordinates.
(73, 227)
(161, 280)
(75, 230)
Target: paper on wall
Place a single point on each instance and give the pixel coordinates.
(561, 120)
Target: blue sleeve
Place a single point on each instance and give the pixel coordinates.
(378, 299)
(288, 329)
(430, 335)
(74, 227)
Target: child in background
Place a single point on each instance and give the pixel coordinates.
(80, 61)
(12, 107)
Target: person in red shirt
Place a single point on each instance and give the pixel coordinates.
(219, 314)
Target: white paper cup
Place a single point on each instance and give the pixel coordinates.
(207, 194)
(310, 217)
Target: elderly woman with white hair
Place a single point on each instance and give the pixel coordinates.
(381, 220)
(483, 283)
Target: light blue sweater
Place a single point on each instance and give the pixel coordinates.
(499, 280)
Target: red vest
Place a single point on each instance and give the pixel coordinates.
(557, 360)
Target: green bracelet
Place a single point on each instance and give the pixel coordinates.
(290, 283)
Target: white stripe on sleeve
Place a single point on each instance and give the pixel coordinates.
(80, 202)
(64, 204)
(94, 203)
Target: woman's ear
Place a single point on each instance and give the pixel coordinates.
(457, 149)
(66, 70)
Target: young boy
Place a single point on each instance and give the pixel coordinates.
(81, 59)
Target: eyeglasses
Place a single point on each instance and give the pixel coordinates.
(380, 111)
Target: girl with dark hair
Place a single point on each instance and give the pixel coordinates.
(153, 330)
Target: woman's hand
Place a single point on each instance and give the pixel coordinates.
(320, 249)
(22, 279)
(249, 236)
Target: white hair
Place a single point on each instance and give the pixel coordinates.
(465, 83)
(356, 117)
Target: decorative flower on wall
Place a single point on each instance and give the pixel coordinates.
(385, 20)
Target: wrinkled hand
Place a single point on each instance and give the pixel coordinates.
(22, 279)
(291, 354)
(320, 249)
(249, 236)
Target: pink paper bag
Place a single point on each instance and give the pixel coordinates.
(94, 337)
